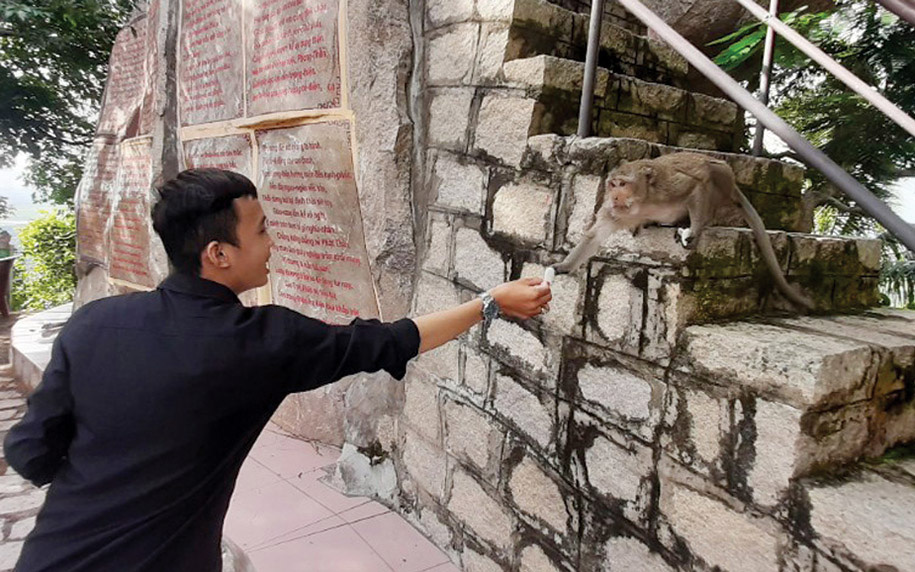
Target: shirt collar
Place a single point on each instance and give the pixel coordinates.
(197, 286)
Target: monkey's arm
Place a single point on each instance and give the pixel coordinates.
(590, 243)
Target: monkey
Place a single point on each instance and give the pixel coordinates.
(666, 190)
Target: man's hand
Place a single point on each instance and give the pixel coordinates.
(523, 298)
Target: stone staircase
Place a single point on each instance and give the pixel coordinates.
(670, 411)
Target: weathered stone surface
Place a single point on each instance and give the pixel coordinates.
(22, 528)
(718, 534)
(443, 12)
(867, 518)
(442, 362)
(434, 294)
(520, 346)
(459, 185)
(494, 41)
(617, 472)
(451, 55)
(537, 494)
(438, 255)
(533, 559)
(776, 451)
(503, 127)
(619, 309)
(18, 503)
(434, 528)
(421, 407)
(706, 416)
(621, 391)
(584, 194)
(425, 464)
(449, 115)
(629, 555)
(9, 554)
(471, 435)
(476, 562)
(476, 370)
(541, 72)
(524, 211)
(475, 262)
(495, 10)
(799, 369)
(524, 409)
(480, 512)
(365, 476)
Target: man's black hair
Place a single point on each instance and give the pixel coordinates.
(194, 209)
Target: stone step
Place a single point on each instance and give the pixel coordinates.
(861, 519)
(624, 106)
(757, 405)
(641, 293)
(542, 28)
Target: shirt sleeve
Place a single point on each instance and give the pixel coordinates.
(37, 446)
(325, 353)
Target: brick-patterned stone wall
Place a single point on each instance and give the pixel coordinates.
(625, 429)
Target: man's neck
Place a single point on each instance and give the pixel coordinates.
(208, 274)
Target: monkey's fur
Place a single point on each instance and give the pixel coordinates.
(666, 190)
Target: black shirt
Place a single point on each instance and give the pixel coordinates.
(148, 408)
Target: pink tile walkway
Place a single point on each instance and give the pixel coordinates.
(286, 519)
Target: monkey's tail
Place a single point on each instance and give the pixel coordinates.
(768, 253)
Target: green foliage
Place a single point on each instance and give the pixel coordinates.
(44, 275)
(879, 48)
(53, 64)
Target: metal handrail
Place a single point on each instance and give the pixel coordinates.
(765, 77)
(876, 208)
(832, 66)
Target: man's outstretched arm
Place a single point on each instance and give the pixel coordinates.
(37, 446)
(523, 299)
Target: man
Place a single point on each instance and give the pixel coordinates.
(152, 401)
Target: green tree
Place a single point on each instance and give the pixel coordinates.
(53, 64)
(879, 48)
(44, 275)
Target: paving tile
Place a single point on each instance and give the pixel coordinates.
(299, 533)
(289, 457)
(399, 544)
(446, 567)
(331, 498)
(365, 510)
(253, 475)
(270, 511)
(336, 550)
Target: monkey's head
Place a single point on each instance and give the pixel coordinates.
(627, 184)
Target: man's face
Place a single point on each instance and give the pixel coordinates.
(249, 258)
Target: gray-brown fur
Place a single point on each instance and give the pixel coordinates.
(667, 190)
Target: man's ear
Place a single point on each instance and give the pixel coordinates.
(214, 255)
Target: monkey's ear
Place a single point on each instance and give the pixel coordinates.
(649, 174)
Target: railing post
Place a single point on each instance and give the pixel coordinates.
(587, 86)
(765, 76)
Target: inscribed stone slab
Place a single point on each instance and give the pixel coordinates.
(291, 51)
(232, 153)
(307, 188)
(155, 64)
(120, 114)
(94, 196)
(210, 66)
(130, 221)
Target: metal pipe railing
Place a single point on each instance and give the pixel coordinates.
(587, 87)
(765, 76)
(832, 66)
(813, 156)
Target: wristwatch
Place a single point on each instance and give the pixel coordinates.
(490, 308)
